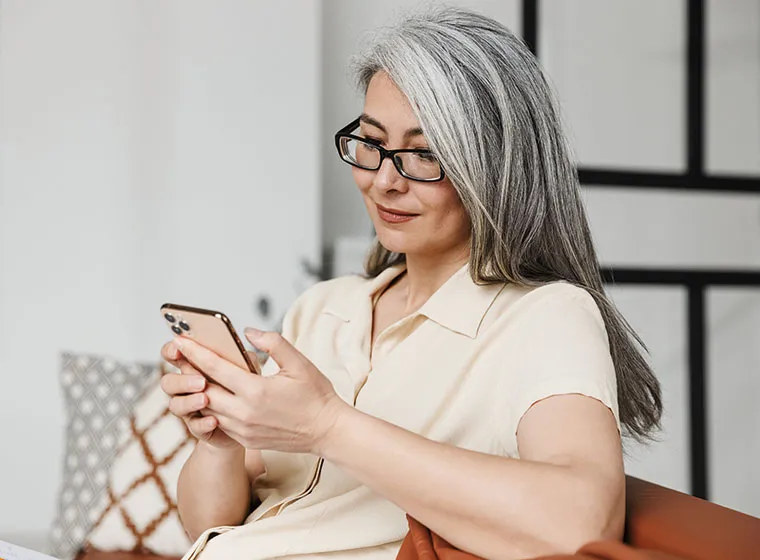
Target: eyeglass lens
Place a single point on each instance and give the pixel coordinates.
(414, 165)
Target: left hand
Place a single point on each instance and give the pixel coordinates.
(292, 411)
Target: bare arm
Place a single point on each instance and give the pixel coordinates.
(567, 489)
(215, 484)
(214, 487)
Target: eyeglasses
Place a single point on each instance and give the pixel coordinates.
(416, 164)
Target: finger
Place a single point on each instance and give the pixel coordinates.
(279, 349)
(222, 402)
(212, 365)
(182, 384)
(186, 368)
(231, 426)
(170, 352)
(188, 404)
(202, 426)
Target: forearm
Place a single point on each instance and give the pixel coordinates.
(213, 489)
(492, 506)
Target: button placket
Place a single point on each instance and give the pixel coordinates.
(355, 368)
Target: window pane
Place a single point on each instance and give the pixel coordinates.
(733, 86)
(619, 68)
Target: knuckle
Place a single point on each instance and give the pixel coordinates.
(255, 397)
(248, 417)
(248, 427)
(249, 433)
(197, 426)
(275, 340)
(206, 363)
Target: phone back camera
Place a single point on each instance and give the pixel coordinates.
(184, 326)
(176, 329)
(169, 317)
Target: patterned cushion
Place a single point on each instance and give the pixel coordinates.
(99, 395)
(142, 487)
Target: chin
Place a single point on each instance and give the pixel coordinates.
(393, 247)
(395, 241)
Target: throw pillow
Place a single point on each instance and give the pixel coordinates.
(141, 515)
(99, 395)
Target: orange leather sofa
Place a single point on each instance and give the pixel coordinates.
(661, 524)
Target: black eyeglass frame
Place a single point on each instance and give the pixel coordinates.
(345, 132)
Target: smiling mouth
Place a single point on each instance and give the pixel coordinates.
(394, 216)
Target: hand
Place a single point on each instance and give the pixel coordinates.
(188, 400)
(293, 411)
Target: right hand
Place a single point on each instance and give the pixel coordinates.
(188, 400)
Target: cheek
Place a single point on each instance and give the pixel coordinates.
(449, 207)
(458, 217)
(362, 178)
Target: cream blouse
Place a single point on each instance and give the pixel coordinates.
(461, 370)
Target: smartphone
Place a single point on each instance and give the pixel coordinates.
(211, 329)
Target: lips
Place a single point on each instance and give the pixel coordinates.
(394, 216)
(396, 212)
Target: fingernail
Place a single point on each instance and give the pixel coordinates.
(197, 383)
(250, 332)
(200, 401)
(178, 342)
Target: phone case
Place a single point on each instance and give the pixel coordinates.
(211, 329)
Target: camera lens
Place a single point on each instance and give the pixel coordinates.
(169, 317)
(176, 329)
(184, 326)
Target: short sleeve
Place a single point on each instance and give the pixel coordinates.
(559, 346)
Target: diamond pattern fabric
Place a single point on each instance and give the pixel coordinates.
(141, 515)
(99, 394)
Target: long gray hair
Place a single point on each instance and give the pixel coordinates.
(489, 114)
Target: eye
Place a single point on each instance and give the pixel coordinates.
(364, 147)
(426, 157)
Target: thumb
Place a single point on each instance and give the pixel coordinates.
(279, 349)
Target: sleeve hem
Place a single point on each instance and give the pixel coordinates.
(604, 395)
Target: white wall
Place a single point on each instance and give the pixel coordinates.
(619, 68)
(146, 156)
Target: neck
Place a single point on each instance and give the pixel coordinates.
(424, 275)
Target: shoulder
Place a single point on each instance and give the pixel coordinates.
(556, 294)
(337, 294)
(554, 308)
(321, 294)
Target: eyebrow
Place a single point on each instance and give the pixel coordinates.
(365, 118)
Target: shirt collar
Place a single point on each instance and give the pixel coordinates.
(349, 306)
(459, 305)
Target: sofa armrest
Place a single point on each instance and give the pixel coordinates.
(671, 521)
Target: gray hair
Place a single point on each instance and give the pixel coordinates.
(491, 117)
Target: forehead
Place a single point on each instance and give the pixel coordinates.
(386, 103)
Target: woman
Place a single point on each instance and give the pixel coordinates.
(476, 378)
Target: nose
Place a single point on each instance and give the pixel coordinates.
(388, 178)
